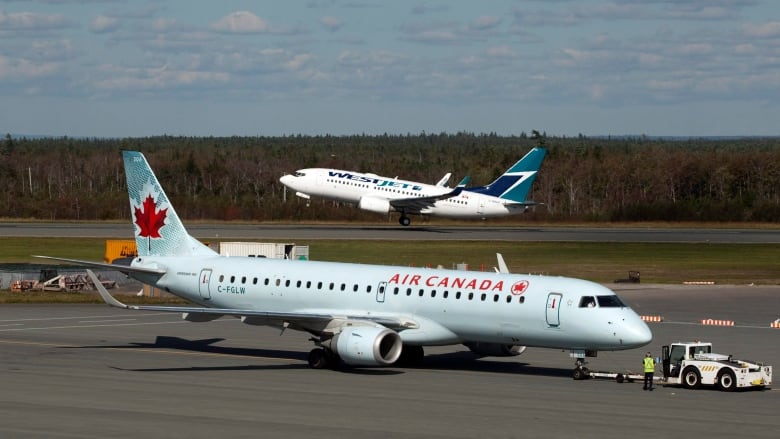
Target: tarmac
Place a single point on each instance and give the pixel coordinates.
(90, 371)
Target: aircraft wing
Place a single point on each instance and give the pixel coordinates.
(255, 317)
(415, 205)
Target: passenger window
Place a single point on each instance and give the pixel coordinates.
(221, 277)
(471, 296)
(433, 293)
(232, 279)
(243, 279)
(587, 302)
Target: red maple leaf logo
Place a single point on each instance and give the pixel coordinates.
(519, 287)
(149, 220)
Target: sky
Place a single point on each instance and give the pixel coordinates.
(101, 68)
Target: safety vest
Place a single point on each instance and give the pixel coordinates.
(649, 364)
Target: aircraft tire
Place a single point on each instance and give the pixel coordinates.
(318, 358)
(404, 221)
(411, 356)
(580, 373)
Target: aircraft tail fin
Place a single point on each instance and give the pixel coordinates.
(515, 184)
(158, 229)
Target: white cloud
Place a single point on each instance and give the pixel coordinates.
(332, 23)
(485, 22)
(765, 30)
(32, 21)
(103, 24)
(126, 79)
(501, 51)
(163, 24)
(16, 68)
(241, 22)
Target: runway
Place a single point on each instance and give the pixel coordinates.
(480, 232)
(95, 372)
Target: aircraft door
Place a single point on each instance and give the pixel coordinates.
(380, 292)
(553, 309)
(203, 285)
(667, 361)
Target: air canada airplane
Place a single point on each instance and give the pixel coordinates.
(505, 196)
(366, 315)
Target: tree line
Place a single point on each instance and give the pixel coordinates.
(583, 179)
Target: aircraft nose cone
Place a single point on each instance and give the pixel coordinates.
(286, 179)
(637, 334)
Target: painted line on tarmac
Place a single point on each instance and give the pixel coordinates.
(78, 317)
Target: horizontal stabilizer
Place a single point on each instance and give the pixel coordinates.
(122, 268)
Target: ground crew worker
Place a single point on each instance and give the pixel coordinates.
(649, 364)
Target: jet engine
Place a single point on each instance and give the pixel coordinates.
(367, 346)
(374, 204)
(495, 349)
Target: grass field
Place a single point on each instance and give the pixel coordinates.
(601, 262)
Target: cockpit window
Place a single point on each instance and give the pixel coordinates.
(610, 302)
(588, 302)
(300, 174)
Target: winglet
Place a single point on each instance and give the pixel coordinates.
(108, 298)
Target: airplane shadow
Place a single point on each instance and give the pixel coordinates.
(461, 360)
(207, 346)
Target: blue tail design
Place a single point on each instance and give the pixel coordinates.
(514, 184)
(158, 230)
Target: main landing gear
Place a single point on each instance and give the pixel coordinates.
(580, 372)
(404, 220)
(321, 358)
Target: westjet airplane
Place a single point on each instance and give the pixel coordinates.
(367, 315)
(505, 196)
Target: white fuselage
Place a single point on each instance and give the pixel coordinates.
(351, 187)
(446, 306)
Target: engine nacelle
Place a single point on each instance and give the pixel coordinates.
(374, 204)
(367, 346)
(495, 349)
